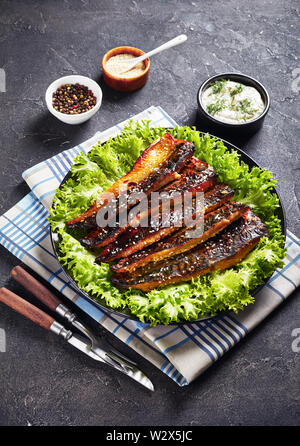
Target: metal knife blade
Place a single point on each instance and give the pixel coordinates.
(123, 366)
(110, 359)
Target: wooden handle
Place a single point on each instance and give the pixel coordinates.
(35, 287)
(27, 309)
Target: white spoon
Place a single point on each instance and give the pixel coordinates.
(176, 41)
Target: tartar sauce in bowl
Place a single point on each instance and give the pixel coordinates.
(232, 102)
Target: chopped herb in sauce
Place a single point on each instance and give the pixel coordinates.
(245, 106)
(238, 89)
(217, 86)
(217, 106)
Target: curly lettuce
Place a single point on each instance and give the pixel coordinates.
(203, 296)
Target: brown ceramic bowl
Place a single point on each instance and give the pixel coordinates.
(120, 83)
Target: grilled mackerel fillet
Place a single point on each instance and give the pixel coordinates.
(158, 165)
(197, 179)
(222, 251)
(136, 239)
(100, 236)
(182, 240)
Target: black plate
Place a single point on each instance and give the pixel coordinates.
(55, 243)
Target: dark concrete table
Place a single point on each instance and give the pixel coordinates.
(43, 381)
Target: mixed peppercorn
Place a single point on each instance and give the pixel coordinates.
(73, 99)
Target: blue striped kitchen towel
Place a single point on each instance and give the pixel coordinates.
(181, 352)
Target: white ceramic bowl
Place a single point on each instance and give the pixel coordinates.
(74, 79)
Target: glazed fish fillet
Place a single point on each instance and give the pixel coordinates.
(181, 241)
(136, 239)
(158, 165)
(198, 179)
(222, 251)
(102, 236)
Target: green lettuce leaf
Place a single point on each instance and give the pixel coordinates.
(204, 296)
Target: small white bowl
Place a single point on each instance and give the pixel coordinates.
(74, 79)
